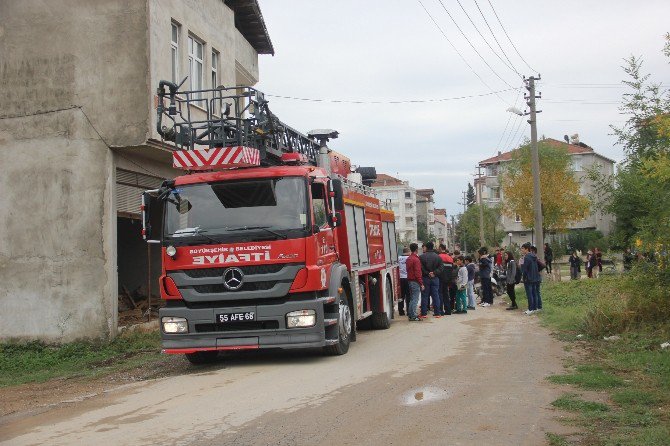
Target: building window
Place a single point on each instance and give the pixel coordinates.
(195, 53)
(492, 170)
(174, 50)
(408, 195)
(494, 193)
(215, 79)
(576, 164)
(517, 218)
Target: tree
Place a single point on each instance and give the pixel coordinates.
(561, 200)
(470, 198)
(467, 228)
(639, 196)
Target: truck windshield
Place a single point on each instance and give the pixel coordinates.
(258, 208)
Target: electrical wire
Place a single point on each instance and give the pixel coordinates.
(518, 128)
(472, 46)
(510, 66)
(495, 38)
(509, 118)
(461, 55)
(508, 38)
(395, 101)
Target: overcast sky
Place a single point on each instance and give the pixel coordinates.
(390, 50)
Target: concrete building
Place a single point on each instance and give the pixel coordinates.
(441, 227)
(425, 210)
(403, 202)
(583, 158)
(79, 144)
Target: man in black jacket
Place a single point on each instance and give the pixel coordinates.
(431, 268)
(485, 277)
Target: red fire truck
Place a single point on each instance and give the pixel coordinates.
(270, 239)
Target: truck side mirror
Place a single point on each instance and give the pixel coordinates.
(338, 198)
(152, 216)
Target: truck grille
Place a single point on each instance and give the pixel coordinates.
(220, 288)
(259, 282)
(247, 270)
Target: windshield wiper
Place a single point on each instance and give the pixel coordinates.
(187, 232)
(264, 228)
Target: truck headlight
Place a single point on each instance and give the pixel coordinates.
(174, 325)
(171, 251)
(301, 318)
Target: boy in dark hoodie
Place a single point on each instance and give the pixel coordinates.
(531, 277)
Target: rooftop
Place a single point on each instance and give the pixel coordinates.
(428, 193)
(387, 180)
(249, 21)
(573, 149)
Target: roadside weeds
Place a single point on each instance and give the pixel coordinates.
(629, 374)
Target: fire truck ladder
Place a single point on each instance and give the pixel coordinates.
(228, 117)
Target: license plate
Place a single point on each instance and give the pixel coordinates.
(242, 316)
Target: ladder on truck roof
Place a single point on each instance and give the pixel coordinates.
(228, 117)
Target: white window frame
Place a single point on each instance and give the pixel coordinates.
(196, 82)
(174, 50)
(517, 218)
(214, 77)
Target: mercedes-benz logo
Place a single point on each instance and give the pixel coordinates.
(233, 278)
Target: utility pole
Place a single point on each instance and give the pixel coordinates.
(465, 208)
(453, 233)
(538, 235)
(478, 181)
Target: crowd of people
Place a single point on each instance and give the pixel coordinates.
(445, 281)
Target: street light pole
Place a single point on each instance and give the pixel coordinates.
(535, 167)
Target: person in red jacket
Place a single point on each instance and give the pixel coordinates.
(415, 282)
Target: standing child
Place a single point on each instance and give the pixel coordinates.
(510, 279)
(461, 284)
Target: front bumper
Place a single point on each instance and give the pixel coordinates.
(267, 331)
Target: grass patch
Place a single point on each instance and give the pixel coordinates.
(633, 371)
(37, 362)
(590, 377)
(557, 440)
(572, 403)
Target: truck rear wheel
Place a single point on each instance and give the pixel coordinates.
(344, 327)
(200, 358)
(382, 321)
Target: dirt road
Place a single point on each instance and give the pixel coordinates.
(464, 379)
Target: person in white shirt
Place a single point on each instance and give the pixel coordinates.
(404, 285)
(461, 284)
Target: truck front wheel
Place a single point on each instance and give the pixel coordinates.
(344, 327)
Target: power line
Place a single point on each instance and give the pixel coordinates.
(508, 37)
(472, 46)
(509, 118)
(394, 101)
(460, 55)
(518, 127)
(495, 38)
(511, 67)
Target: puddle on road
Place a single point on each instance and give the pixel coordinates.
(424, 395)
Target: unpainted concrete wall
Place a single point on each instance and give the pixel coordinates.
(73, 73)
(57, 265)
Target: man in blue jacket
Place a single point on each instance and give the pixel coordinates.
(531, 277)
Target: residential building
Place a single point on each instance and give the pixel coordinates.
(425, 208)
(441, 227)
(402, 198)
(80, 144)
(583, 158)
